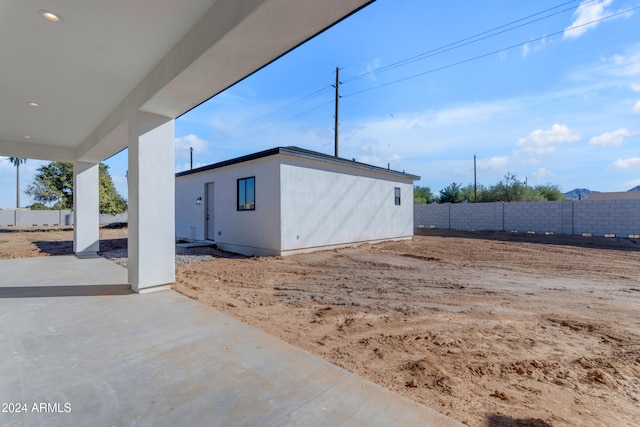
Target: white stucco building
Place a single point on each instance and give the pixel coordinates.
(288, 200)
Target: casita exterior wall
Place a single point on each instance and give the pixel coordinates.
(326, 205)
(254, 232)
(301, 205)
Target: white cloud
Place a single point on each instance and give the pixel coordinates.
(468, 114)
(494, 163)
(611, 139)
(371, 152)
(533, 47)
(546, 141)
(542, 173)
(588, 11)
(632, 184)
(627, 65)
(412, 136)
(529, 161)
(373, 66)
(190, 141)
(635, 86)
(636, 107)
(630, 163)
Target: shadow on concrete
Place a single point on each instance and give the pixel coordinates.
(504, 421)
(618, 244)
(65, 247)
(63, 291)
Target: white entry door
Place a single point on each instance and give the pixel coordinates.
(209, 226)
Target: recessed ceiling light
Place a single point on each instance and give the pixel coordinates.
(50, 16)
(34, 104)
(27, 137)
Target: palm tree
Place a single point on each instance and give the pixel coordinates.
(16, 162)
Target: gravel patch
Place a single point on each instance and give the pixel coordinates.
(183, 256)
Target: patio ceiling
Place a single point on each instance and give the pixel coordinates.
(106, 60)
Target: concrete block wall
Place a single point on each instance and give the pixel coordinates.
(110, 219)
(566, 217)
(7, 218)
(599, 217)
(483, 216)
(29, 218)
(431, 216)
(539, 217)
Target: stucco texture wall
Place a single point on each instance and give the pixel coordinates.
(325, 205)
(255, 232)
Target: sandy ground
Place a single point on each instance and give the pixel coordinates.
(491, 329)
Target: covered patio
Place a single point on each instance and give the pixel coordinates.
(83, 81)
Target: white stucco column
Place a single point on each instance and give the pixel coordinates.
(86, 210)
(151, 203)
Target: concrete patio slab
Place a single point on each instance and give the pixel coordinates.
(66, 275)
(161, 359)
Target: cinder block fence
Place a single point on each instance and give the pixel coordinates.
(29, 218)
(611, 218)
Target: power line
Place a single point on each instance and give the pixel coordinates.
(466, 41)
(433, 70)
(289, 106)
(289, 118)
(424, 55)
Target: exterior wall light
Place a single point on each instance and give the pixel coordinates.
(199, 201)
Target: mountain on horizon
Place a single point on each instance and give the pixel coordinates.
(583, 193)
(578, 194)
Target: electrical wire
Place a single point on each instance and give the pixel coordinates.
(289, 106)
(466, 41)
(287, 119)
(464, 61)
(442, 49)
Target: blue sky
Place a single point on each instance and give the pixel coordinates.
(547, 90)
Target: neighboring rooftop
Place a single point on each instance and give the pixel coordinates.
(302, 153)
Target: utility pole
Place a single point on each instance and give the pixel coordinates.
(475, 181)
(337, 86)
(191, 155)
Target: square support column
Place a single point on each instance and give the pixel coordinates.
(86, 209)
(151, 203)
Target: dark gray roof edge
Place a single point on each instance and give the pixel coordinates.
(302, 153)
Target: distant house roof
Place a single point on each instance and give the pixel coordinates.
(621, 195)
(301, 153)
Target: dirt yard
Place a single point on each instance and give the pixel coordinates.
(491, 329)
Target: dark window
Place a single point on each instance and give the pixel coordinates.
(247, 194)
(397, 196)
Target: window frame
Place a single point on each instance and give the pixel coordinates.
(397, 196)
(243, 181)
